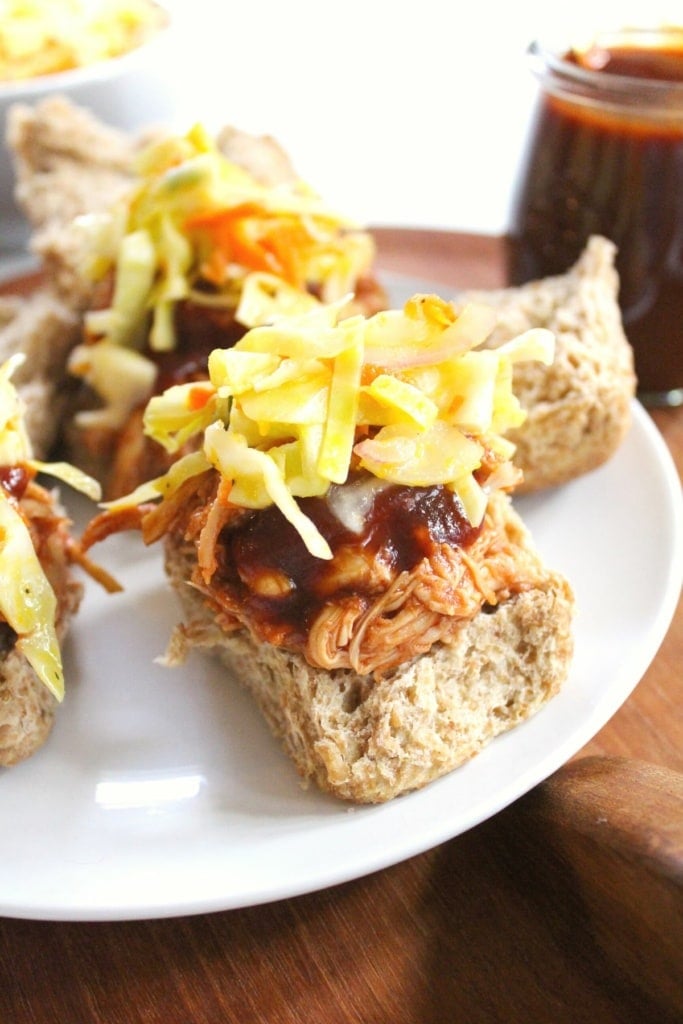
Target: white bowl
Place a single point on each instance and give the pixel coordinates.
(128, 92)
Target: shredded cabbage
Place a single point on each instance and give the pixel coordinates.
(184, 469)
(195, 219)
(14, 441)
(254, 469)
(27, 600)
(121, 376)
(41, 38)
(295, 403)
(70, 475)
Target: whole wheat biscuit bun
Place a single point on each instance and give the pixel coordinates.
(368, 741)
(579, 408)
(27, 708)
(45, 330)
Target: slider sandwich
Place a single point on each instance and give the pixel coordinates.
(175, 266)
(340, 533)
(39, 592)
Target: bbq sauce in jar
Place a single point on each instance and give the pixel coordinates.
(606, 157)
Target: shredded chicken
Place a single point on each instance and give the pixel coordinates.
(50, 536)
(136, 458)
(369, 618)
(54, 544)
(109, 522)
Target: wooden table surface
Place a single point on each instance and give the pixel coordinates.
(512, 922)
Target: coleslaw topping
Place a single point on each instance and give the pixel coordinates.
(197, 227)
(409, 396)
(27, 600)
(45, 37)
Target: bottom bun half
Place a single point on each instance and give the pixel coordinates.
(368, 740)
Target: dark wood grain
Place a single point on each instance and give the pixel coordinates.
(616, 824)
(529, 918)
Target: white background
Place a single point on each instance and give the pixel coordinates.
(396, 112)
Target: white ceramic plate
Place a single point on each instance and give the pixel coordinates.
(161, 792)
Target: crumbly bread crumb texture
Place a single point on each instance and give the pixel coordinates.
(27, 708)
(579, 408)
(44, 330)
(369, 741)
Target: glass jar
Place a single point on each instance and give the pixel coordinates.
(605, 156)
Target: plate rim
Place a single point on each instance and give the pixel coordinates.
(645, 431)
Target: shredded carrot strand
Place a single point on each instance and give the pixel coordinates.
(243, 235)
(198, 397)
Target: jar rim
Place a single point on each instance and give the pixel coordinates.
(549, 62)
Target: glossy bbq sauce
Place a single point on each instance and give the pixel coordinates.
(403, 526)
(592, 169)
(14, 480)
(199, 330)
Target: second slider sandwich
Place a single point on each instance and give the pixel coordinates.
(340, 533)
